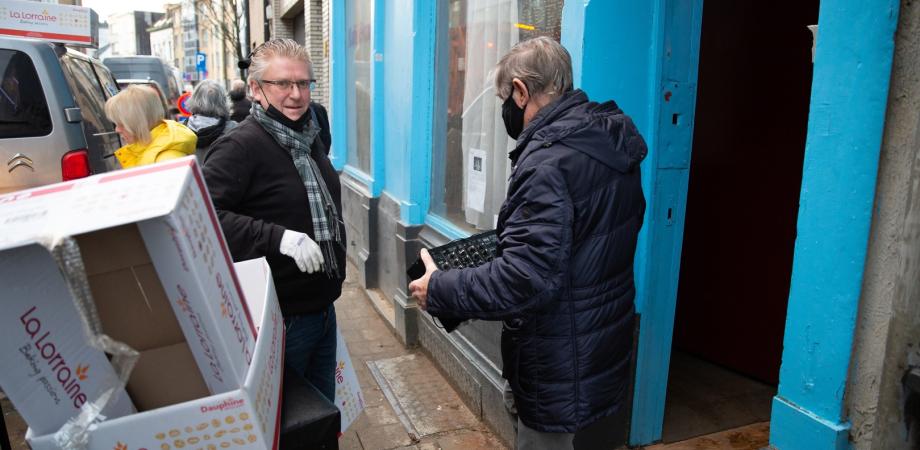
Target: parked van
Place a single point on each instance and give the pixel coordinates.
(143, 68)
(52, 118)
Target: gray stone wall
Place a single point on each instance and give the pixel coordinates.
(359, 212)
(887, 341)
(315, 42)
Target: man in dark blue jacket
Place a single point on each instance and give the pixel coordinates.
(563, 278)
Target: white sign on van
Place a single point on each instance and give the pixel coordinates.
(66, 24)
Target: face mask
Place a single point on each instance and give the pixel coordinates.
(513, 115)
(296, 125)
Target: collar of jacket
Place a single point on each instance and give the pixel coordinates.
(547, 115)
(168, 135)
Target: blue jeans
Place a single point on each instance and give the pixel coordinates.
(309, 348)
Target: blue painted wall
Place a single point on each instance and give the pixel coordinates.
(397, 107)
(848, 103)
(338, 86)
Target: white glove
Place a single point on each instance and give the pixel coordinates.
(302, 250)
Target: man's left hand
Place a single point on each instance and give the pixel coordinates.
(418, 289)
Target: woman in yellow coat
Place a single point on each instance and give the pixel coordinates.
(137, 112)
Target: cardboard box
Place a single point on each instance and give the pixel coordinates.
(44, 371)
(247, 418)
(75, 25)
(149, 237)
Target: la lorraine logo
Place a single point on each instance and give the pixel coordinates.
(223, 310)
(45, 12)
(120, 446)
(81, 371)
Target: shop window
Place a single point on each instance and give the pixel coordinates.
(470, 171)
(359, 17)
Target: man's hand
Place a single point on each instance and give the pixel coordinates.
(418, 289)
(302, 250)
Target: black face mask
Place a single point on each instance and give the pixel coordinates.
(296, 125)
(513, 115)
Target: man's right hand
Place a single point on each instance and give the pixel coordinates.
(302, 250)
(418, 289)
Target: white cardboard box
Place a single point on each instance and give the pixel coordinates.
(149, 235)
(57, 23)
(45, 373)
(247, 418)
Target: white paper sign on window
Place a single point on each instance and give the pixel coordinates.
(476, 180)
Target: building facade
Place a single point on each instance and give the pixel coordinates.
(305, 21)
(128, 32)
(779, 239)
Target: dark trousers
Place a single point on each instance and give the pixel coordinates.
(309, 349)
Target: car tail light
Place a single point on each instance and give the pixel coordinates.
(75, 164)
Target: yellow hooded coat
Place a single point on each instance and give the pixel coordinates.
(168, 140)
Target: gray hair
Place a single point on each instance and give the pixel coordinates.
(541, 63)
(287, 48)
(237, 89)
(209, 99)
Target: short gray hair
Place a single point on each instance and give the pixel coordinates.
(541, 63)
(209, 99)
(237, 89)
(287, 48)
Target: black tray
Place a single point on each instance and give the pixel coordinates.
(473, 251)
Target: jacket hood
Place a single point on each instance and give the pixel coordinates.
(208, 129)
(197, 122)
(599, 130)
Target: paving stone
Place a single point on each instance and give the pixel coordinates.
(15, 426)
(423, 395)
(382, 437)
(381, 415)
(349, 441)
(466, 440)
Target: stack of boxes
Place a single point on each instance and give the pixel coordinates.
(152, 272)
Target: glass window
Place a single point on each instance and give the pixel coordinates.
(470, 172)
(359, 17)
(90, 97)
(23, 108)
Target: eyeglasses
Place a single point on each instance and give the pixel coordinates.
(285, 85)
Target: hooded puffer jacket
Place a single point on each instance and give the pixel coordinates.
(168, 140)
(563, 279)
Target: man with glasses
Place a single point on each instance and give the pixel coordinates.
(277, 195)
(562, 282)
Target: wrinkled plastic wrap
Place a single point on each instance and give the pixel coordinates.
(74, 435)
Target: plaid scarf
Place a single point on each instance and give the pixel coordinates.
(326, 220)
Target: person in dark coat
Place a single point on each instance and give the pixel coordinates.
(321, 117)
(239, 102)
(563, 278)
(277, 195)
(210, 117)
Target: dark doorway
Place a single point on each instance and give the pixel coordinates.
(745, 176)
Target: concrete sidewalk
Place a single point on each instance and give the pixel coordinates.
(423, 410)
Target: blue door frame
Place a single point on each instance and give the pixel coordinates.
(848, 104)
(652, 75)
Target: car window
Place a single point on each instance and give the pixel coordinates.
(23, 108)
(87, 92)
(90, 97)
(105, 77)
